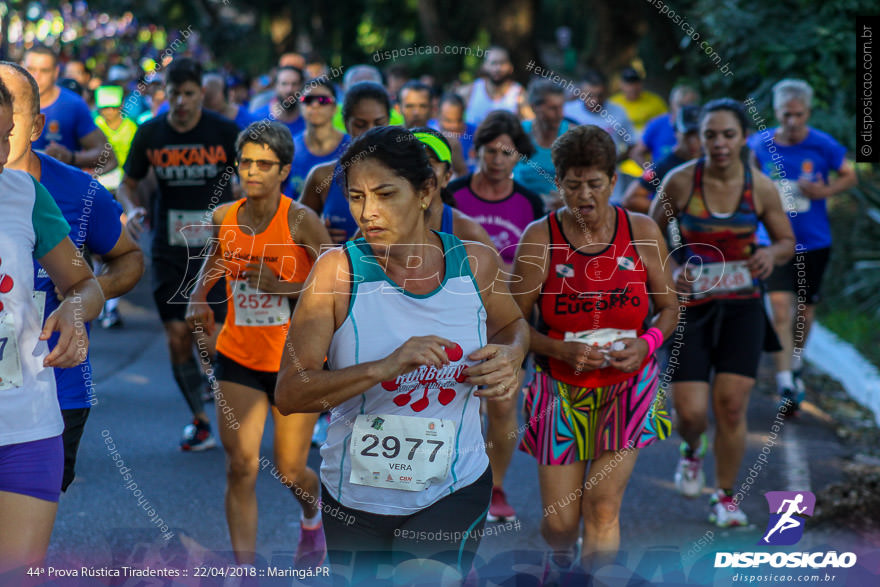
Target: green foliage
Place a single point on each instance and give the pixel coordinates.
(851, 289)
(765, 42)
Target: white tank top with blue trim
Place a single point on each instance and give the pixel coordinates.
(381, 317)
(28, 401)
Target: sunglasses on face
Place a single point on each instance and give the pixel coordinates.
(322, 100)
(262, 164)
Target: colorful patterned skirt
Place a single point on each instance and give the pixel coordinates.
(566, 423)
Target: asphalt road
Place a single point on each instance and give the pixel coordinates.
(102, 524)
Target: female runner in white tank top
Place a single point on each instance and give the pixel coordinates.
(416, 327)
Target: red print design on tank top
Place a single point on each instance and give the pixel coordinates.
(6, 285)
(428, 378)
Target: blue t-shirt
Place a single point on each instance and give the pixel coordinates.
(94, 221)
(811, 159)
(243, 118)
(68, 119)
(336, 208)
(659, 137)
(296, 127)
(304, 160)
(537, 173)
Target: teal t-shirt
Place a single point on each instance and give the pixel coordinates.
(537, 173)
(50, 227)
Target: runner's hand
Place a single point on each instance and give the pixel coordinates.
(815, 190)
(631, 357)
(59, 152)
(683, 279)
(414, 353)
(135, 222)
(262, 278)
(73, 342)
(498, 371)
(199, 314)
(760, 264)
(579, 356)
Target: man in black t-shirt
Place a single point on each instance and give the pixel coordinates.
(192, 152)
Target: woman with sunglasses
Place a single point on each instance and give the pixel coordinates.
(267, 245)
(366, 105)
(320, 142)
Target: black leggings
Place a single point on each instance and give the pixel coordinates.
(448, 531)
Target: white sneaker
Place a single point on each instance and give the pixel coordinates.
(689, 476)
(724, 512)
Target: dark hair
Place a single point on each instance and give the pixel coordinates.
(502, 122)
(729, 105)
(43, 50)
(320, 82)
(5, 96)
(397, 149)
(454, 99)
(274, 135)
(364, 91)
(34, 97)
(584, 146)
(415, 86)
(594, 77)
(183, 70)
(397, 70)
(539, 89)
(302, 75)
(315, 57)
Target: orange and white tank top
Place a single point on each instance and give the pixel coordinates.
(257, 322)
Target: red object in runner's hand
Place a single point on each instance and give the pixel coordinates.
(454, 352)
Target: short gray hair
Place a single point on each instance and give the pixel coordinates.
(539, 89)
(792, 89)
(681, 90)
(274, 135)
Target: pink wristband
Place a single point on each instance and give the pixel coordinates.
(654, 337)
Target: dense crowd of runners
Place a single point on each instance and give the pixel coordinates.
(388, 267)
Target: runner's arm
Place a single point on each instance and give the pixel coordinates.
(316, 185)
(306, 230)
(123, 267)
(530, 271)
(83, 301)
(506, 330)
(129, 196)
(651, 247)
(95, 151)
(769, 208)
(846, 178)
(212, 268)
(303, 386)
(637, 198)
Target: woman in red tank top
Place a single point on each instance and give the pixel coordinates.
(593, 398)
(266, 245)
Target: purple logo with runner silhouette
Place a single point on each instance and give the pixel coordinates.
(788, 512)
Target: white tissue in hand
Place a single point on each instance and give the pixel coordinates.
(618, 346)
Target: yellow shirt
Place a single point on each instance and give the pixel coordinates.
(641, 111)
(120, 139)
